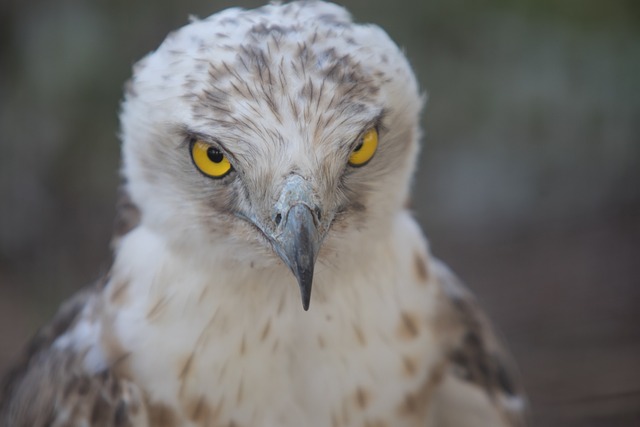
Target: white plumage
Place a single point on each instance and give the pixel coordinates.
(257, 144)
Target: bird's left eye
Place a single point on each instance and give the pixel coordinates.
(365, 150)
(209, 160)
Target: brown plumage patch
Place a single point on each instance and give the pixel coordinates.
(56, 390)
(409, 366)
(243, 346)
(475, 355)
(156, 309)
(360, 335)
(362, 397)
(416, 403)
(115, 352)
(420, 266)
(121, 366)
(408, 326)
(185, 370)
(475, 363)
(410, 405)
(265, 330)
(199, 411)
(321, 342)
(161, 415)
(27, 390)
(281, 304)
(119, 294)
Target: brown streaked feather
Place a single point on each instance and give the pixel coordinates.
(478, 362)
(55, 391)
(41, 343)
(50, 388)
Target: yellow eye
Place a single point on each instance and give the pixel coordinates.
(211, 161)
(366, 149)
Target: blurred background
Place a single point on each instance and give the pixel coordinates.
(529, 181)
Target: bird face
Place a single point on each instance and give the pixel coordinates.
(275, 137)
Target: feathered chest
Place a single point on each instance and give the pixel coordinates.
(239, 350)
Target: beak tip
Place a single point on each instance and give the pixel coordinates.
(305, 293)
(298, 247)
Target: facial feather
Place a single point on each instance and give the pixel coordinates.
(279, 98)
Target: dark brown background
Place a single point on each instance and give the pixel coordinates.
(529, 183)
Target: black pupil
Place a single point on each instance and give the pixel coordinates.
(215, 155)
(359, 146)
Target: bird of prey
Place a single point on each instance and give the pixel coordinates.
(265, 151)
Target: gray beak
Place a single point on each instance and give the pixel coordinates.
(297, 239)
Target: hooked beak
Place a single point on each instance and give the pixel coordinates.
(298, 246)
(297, 238)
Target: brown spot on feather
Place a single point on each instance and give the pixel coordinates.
(115, 352)
(119, 294)
(409, 366)
(161, 415)
(360, 335)
(420, 266)
(416, 403)
(243, 346)
(156, 309)
(199, 411)
(408, 328)
(265, 330)
(281, 303)
(120, 366)
(186, 368)
(185, 374)
(362, 398)
(475, 355)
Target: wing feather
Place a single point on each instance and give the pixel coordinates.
(50, 387)
(479, 386)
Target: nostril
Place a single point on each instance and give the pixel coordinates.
(277, 219)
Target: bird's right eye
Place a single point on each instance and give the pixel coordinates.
(209, 159)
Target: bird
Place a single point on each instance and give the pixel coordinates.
(267, 268)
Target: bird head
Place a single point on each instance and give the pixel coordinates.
(272, 133)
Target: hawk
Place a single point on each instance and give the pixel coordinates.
(265, 151)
